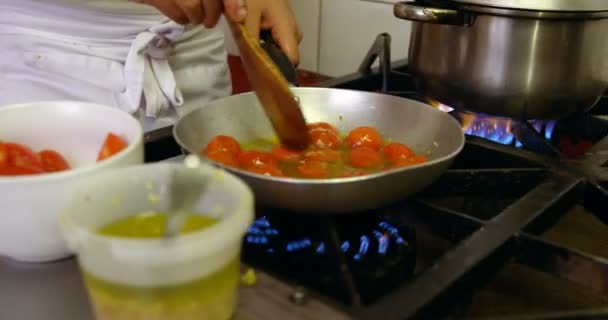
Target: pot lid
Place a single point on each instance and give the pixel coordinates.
(543, 5)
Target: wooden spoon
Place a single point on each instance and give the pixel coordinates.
(272, 89)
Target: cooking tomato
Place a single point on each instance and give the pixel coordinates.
(365, 158)
(285, 154)
(313, 169)
(416, 159)
(267, 170)
(223, 143)
(323, 155)
(364, 137)
(3, 155)
(21, 156)
(112, 145)
(325, 139)
(20, 171)
(224, 158)
(350, 174)
(53, 161)
(397, 152)
(322, 126)
(249, 159)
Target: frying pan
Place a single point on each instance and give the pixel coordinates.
(425, 129)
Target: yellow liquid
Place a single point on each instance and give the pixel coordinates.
(212, 297)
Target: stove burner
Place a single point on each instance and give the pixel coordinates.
(378, 253)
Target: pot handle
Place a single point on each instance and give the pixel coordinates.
(279, 58)
(410, 10)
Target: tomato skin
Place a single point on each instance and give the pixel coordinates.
(313, 169)
(327, 155)
(223, 143)
(365, 158)
(224, 158)
(53, 161)
(285, 154)
(325, 139)
(21, 156)
(397, 152)
(112, 145)
(20, 171)
(364, 137)
(323, 126)
(416, 159)
(3, 155)
(350, 174)
(267, 170)
(250, 159)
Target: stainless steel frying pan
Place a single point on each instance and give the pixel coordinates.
(425, 129)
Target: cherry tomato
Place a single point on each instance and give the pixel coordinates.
(267, 170)
(20, 171)
(21, 156)
(224, 158)
(325, 139)
(350, 174)
(322, 126)
(112, 145)
(323, 155)
(365, 157)
(397, 152)
(364, 137)
(416, 159)
(285, 154)
(223, 143)
(313, 169)
(53, 161)
(249, 159)
(3, 155)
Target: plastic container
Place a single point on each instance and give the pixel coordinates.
(193, 276)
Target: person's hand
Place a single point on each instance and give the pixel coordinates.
(275, 15)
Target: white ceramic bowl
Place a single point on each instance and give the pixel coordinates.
(29, 229)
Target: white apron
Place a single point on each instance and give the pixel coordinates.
(111, 52)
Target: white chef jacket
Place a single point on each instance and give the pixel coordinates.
(111, 52)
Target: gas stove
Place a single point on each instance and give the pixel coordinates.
(517, 228)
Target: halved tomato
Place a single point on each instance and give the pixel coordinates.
(322, 126)
(323, 155)
(223, 157)
(397, 152)
(3, 155)
(223, 143)
(21, 156)
(325, 139)
(267, 170)
(364, 137)
(285, 154)
(365, 158)
(112, 145)
(20, 171)
(53, 161)
(313, 169)
(249, 159)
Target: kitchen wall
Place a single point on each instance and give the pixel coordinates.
(338, 33)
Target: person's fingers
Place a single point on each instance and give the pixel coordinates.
(235, 10)
(213, 11)
(168, 8)
(287, 35)
(193, 9)
(252, 23)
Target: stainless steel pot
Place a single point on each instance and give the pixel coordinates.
(516, 58)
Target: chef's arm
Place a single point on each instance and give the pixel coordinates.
(274, 15)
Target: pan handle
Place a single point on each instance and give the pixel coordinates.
(279, 57)
(419, 12)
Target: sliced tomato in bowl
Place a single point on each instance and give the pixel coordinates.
(21, 156)
(53, 161)
(112, 145)
(20, 171)
(3, 155)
